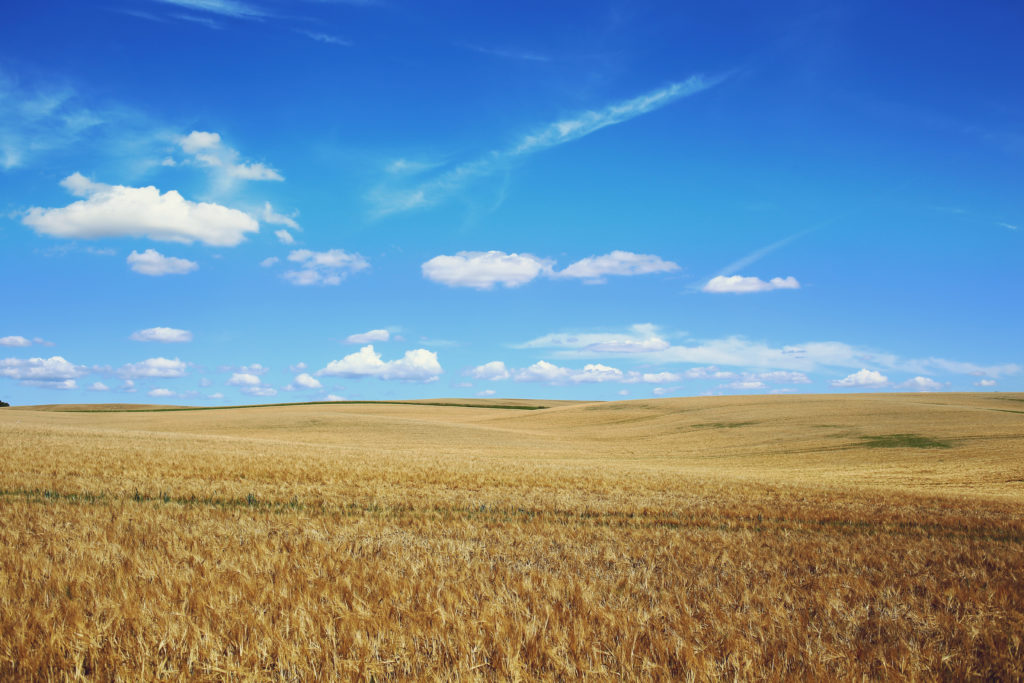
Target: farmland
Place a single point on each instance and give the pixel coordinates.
(764, 537)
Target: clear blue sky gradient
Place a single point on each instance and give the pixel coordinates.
(870, 151)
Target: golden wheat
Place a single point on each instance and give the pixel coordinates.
(763, 537)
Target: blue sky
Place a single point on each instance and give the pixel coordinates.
(227, 201)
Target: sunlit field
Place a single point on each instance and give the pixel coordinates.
(768, 537)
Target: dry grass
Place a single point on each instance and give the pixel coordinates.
(763, 537)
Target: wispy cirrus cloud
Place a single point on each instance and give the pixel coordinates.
(227, 8)
(737, 351)
(389, 200)
(505, 53)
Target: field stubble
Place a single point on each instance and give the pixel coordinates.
(769, 538)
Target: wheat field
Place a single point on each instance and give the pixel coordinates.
(769, 538)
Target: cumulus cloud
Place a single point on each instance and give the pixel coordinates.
(269, 261)
(921, 384)
(494, 370)
(243, 379)
(99, 386)
(154, 367)
(307, 381)
(15, 340)
(207, 149)
(55, 372)
(152, 262)
(368, 337)
(284, 237)
(862, 378)
(985, 383)
(162, 393)
(594, 269)
(485, 269)
(543, 371)
(738, 284)
(486, 392)
(121, 211)
(323, 267)
(416, 365)
(167, 335)
(333, 397)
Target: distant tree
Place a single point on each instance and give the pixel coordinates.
(4, 405)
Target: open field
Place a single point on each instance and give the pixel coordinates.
(768, 537)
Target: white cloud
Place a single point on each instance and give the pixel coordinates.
(162, 393)
(737, 284)
(254, 369)
(709, 372)
(985, 383)
(120, 211)
(739, 352)
(99, 386)
(746, 385)
(128, 386)
(596, 372)
(862, 378)
(259, 391)
(308, 381)
(333, 397)
(483, 270)
(368, 337)
(154, 367)
(243, 379)
(641, 339)
(152, 262)
(782, 377)
(54, 373)
(324, 267)
(593, 269)
(494, 370)
(268, 215)
(542, 371)
(486, 392)
(921, 384)
(15, 341)
(660, 391)
(269, 261)
(660, 377)
(1008, 226)
(454, 180)
(284, 237)
(162, 334)
(207, 149)
(416, 365)
(217, 395)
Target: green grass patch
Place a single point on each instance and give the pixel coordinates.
(903, 441)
